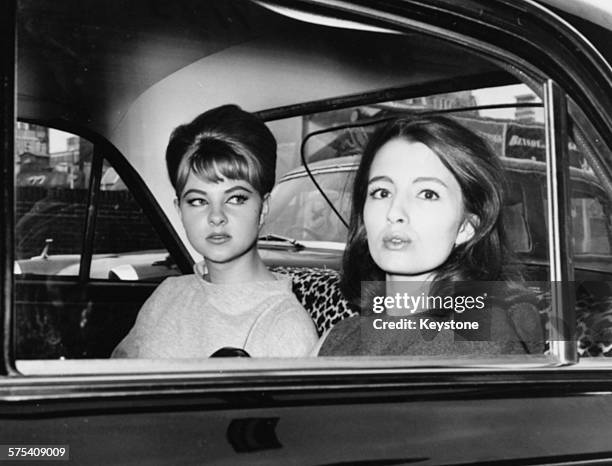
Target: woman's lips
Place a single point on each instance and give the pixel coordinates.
(396, 241)
(218, 238)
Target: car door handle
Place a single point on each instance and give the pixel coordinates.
(253, 434)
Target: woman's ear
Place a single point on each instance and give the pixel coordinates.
(265, 209)
(468, 229)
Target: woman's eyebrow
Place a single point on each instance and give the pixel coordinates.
(380, 178)
(237, 188)
(430, 178)
(227, 191)
(194, 191)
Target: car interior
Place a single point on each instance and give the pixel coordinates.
(95, 225)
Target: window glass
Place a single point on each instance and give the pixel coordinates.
(52, 180)
(300, 211)
(133, 81)
(591, 240)
(52, 174)
(311, 204)
(515, 132)
(590, 225)
(515, 218)
(126, 246)
(56, 314)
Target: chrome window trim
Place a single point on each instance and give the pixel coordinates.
(562, 345)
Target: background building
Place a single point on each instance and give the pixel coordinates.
(35, 165)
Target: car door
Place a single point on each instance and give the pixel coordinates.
(87, 255)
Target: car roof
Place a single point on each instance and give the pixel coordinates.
(121, 52)
(592, 18)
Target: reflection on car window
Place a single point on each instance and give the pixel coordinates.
(52, 178)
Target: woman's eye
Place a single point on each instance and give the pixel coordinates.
(238, 199)
(428, 195)
(379, 193)
(197, 202)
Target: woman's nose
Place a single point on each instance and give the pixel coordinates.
(397, 213)
(217, 216)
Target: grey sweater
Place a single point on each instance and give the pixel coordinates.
(189, 317)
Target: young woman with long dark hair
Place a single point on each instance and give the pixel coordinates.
(427, 221)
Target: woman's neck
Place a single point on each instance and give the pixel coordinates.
(246, 268)
(408, 289)
(426, 277)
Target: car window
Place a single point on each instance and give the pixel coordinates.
(590, 224)
(299, 210)
(515, 218)
(64, 219)
(126, 246)
(95, 231)
(52, 196)
(591, 238)
(52, 181)
(266, 62)
(509, 117)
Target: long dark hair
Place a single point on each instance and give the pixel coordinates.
(485, 257)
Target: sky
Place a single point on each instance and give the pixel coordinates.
(500, 95)
(57, 140)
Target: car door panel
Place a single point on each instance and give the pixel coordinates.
(61, 318)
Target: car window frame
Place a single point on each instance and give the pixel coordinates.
(105, 150)
(7, 143)
(553, 92)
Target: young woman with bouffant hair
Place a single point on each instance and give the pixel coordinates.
(222, 166)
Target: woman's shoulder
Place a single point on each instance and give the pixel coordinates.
(168, 294)
(283, 328)
(176, 286)
(286, 311)
(179, 281)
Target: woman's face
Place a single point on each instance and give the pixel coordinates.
(413, 214)
(221, 219)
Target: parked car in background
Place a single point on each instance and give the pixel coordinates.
(91, 92)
